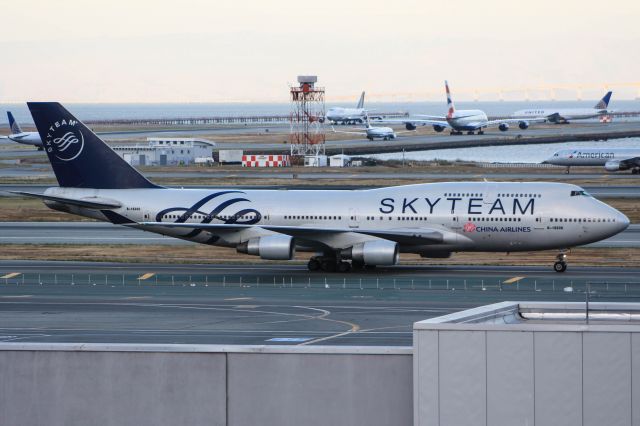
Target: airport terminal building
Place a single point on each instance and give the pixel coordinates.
(167, 152)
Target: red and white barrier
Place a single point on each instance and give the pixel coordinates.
(266, 161)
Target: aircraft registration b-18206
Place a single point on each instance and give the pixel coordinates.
(346, 229)
(460, 121)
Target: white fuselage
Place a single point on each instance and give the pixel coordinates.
(380, 133)
(339, 114)
(467, 120)
(27, 138)
(591, 156)
(561, 114)
(473, 216)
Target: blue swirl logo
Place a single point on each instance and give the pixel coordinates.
(246, 216)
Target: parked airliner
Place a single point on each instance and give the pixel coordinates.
(563, 115)
(17, 135)
(345, 229)
(613, 159)
(342, 115)
(459, 121)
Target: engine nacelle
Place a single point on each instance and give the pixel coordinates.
(438, 128)
(410, 126)
(381, 252)
(612, 166)
(503, 127)
(270, 247)
(523, 125)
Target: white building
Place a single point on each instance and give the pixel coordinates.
(167, 152)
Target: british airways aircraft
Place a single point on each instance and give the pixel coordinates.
(344, 229)
(459, 121)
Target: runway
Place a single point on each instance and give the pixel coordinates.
(107, 233)
(266, 304)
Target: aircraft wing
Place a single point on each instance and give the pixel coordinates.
(344, 131)
(401, 235)
(515, 120)
(432, 117)
(424, 121)
(89, 203)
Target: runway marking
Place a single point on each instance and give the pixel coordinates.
(512, 280)
(354, 327)
(146, 276)
(288, 339)
(239, 298)
(246, 306)
(10, 275)
(136, 297)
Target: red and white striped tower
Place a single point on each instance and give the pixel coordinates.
(307, 136)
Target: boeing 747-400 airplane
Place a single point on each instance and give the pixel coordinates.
(344, 229)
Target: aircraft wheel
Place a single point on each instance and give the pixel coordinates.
(560, 266)
(634, 171)
(357, 265)
(370, 267)
(313, 264)
(344, 267)
(386, 138)
(470, 132)
(481, 132)
(328, 265)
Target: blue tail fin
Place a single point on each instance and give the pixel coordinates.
(79, 158)
(13, 124)
(604, 102)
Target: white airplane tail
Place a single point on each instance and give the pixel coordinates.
(451, 108)
(361, 101)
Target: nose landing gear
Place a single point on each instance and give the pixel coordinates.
(561, 262)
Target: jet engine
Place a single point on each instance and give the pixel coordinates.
(503, 127)
(410, 126)
(612, 166)
(270, 247)
(438, 128)
(523, 125)
(380, 252)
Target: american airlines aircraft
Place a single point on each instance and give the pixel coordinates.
(345, 229)
(342, 115)
(460, 121)
(613, 159)
(17, 135)
(563, 115)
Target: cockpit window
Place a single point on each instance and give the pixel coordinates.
(579, 193)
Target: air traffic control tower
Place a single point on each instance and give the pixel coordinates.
(307, 136)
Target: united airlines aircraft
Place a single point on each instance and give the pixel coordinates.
(17, 135)
(344, 229)
(563, 115)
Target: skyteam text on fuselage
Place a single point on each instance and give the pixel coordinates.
(345, 229)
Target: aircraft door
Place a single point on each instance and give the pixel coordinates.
(354, 220)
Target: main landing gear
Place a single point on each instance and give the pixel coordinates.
(328, 264)
(635, 171)
(561, 262)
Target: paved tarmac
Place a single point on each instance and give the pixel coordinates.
(107, 233)
(267, 304)
(412, 142)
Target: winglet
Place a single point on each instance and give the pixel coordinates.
(451, 109)
(604, 102)
(361, 101)
(13, 124)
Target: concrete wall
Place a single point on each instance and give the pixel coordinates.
(526, 374)
(65, 384)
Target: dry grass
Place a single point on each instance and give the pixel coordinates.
(210, 254)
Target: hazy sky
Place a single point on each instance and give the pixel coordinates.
(208, 51)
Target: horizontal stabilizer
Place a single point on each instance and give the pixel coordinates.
(89, 203)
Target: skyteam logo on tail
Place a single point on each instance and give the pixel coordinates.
(64, 141)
